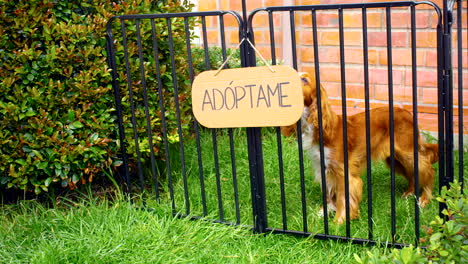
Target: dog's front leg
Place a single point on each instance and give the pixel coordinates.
(355, 195)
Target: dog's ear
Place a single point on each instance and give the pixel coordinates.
(308, 87)
(288, 130)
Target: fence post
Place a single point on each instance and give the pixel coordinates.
(446, 170)
(254, 143)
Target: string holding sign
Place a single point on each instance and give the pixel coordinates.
(256, 51)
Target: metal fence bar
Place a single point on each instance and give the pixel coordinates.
(272, 38)
(415, 124)
(299, 128)
(218, 177)
(132, 104)
(234, 174)
(195, 122)
(367, 113)
(254, 139)
(118, 104)
(460, 91)
(320, 124)
(344, 122)
(440, 111)
(177, 105)
(277, 129)
(163, 114)
(230, 132)
(145, 101)
(391, 118)
(448, 87)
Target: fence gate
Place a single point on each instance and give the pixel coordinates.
(257, 175)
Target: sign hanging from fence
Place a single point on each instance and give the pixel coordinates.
(248, 97)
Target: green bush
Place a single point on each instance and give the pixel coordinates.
(57, 125)
(447, 240)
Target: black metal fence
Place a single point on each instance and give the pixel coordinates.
(255, 175)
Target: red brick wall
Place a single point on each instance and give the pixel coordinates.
(329, 52)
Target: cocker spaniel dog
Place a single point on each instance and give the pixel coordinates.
(356, 134)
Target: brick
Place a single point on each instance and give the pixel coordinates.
(426, 39)
(260, 20)
(266, 52)
(423, 20)
(274, 2)
(400, 93)
(353, 20)
(422, 109)
(305, 37)
(464, 38)
(429, 96)
(464, 97)
(332, 88)
(402, 57)
(464, 112)
(434, 20)
(213, 36)
(278, 37)
(308, 2)
(235, 5)
(305, 19)
(207, 5)
(332, 55)
(327, 20)
(355, 91)
(402, 20)
(230, 21)
(353, 55)
(329, 74)
(339, 102)
(333, 74)
(211, 22)
(307, 55)
(379, 39)
(464, 59)
(233, 37)
(425, 78)
(338, 2)
(428, 122)
(431, 58)
(380, 76)
(224, 4)
(351, 38)
(260, 37)
(372, 105)
(464, 79)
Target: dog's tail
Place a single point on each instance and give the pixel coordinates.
(431, 151)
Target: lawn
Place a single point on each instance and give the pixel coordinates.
(90, 230)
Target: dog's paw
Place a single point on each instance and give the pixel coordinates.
(407, 194)
(320, 212)
(423, 201)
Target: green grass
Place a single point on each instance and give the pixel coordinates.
(405, 208)
(113, 230)
(98, 231)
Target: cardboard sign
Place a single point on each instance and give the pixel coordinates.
(248, 97)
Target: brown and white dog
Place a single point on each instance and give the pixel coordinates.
(380, 149)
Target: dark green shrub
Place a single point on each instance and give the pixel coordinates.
(447, 240)
(57, 124)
